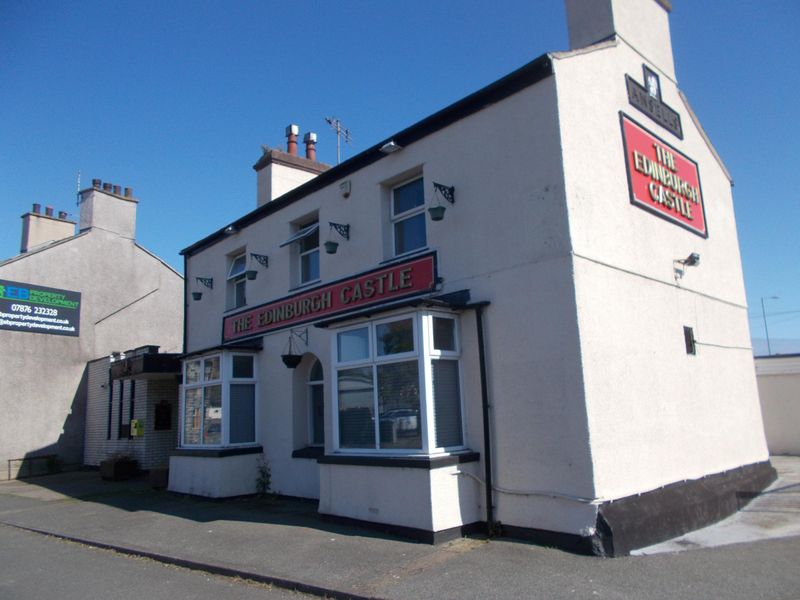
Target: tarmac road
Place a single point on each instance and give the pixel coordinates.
(37, 567)
(750, 556)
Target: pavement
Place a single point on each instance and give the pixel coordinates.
(753, 554)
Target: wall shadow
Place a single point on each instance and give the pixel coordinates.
(66, 453)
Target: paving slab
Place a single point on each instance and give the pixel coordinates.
(775, 513)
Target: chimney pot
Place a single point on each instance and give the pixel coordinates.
(48, 210)
(291, 139)
(106, 187)
(310, 140)
(37, 208)
(62, 214)
(128, 192)
(96, 183)
(117, 190)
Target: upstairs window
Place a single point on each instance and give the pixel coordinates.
(408, 217)
(309, 256)
(307, 240)
(237, 281)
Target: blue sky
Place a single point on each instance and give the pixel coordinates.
(175, 99)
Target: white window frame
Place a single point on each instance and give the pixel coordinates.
(225, 381)
(396, 218)
(423, 352)
(311, 384)
(235, 280)
(303, 232)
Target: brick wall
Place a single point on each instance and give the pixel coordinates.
(150, 450)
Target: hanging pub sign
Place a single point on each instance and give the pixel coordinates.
(407, 279)
(661, 179)
(39, 309)
(647, 98)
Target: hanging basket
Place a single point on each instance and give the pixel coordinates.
(251, 274)
(197, 295)
(331, 247)
(291, 360)
(436, 212)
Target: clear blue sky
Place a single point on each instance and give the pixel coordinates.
(175, 98)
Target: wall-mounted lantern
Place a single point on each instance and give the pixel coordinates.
(692, 260)
(441, 191)
(343, 230)
(391, 147)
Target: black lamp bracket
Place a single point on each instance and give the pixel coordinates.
(261, 259)
(448, 192)
(300, 334)
(342, 230)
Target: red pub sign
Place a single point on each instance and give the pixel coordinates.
(661, 179)
(395, 282)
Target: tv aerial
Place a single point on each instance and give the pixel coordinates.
(341, 132)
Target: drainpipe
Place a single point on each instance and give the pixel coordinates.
(491, 525)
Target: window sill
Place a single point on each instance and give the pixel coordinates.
(305, 285)
(235, 308)
(403, 462)
(407, 255)
(314, 452)
(217, 452)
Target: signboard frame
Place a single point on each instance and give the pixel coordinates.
(386, 284)
(646, 170)
(32, 308)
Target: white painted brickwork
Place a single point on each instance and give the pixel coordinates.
(152, 449)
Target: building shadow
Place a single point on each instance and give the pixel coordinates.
(64, 454)
(137, 495)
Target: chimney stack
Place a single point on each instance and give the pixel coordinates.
(291, 139)
(114, 213)
(38, 228)
(641, 24)
(278, 172)
(310, 140)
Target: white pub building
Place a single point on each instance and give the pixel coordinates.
(454, 331)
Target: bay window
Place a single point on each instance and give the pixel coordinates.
(397, 386)
(218, 406)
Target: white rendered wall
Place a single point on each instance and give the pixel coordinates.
(379, 494)
(656, 415)
(276, 179)
(505, 239)
(214, 477)
(779, 391)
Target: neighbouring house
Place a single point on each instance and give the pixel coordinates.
(525, 313)
(68, 298)
(778, 379)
